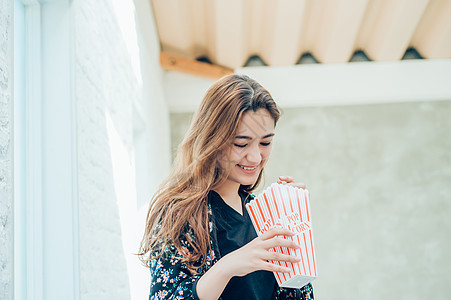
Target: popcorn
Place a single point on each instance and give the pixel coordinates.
(285, 206)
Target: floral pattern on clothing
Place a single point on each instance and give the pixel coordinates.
(304, 293)
(171, 278)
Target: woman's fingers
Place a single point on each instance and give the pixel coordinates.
(277, 256)
(256, 254)
(279, 242)
(299, 185)
(267, 266)
(274, 238)
(290, 181)
(287, 179)
(275, 231)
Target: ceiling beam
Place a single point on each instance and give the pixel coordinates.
(356, 83)
(189, 66)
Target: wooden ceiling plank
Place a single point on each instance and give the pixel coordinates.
(342, 20)
(228, 32)
(210, 27)
(255, 25)
(230, 36)
(392, 28)
(367, 26)
(312, 25)
(173, 26)
(432, 38)
(171, 62)
(197, 12)
(267, 29)
(281, 46)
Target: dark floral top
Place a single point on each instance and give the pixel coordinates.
(171, 278)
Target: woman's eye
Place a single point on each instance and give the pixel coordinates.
(240, 146)
(265, 144)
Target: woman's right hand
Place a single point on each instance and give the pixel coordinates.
(251, 257)
(255, 255)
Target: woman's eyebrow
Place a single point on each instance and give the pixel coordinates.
(268, 135)
(245, 137)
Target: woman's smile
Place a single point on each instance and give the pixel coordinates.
(248, 169)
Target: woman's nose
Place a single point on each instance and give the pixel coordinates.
(254, 156)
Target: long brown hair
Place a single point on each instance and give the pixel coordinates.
(181, 198)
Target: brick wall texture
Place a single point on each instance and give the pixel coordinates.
(6, 151)
(105, 88)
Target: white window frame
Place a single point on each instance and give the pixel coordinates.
(47, 259)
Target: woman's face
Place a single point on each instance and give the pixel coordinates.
(250, 148)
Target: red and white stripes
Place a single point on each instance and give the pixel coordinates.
(282, 205)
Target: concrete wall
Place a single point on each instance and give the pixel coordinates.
(379, 179)
(117, 104)
(6, 151)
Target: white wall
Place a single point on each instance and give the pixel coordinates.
(123, 142)
(6, 150)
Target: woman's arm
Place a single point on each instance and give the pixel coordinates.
(252, 257)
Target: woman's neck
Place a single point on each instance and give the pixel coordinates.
(229, 193)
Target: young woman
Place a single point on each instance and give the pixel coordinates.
(199, 240)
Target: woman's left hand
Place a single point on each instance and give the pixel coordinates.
(290, 181)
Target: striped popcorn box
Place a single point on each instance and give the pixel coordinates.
(282, 205)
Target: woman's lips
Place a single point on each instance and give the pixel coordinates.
(248, 169)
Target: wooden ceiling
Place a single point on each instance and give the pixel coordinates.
(228, 33)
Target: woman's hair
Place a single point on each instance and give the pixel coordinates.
(180, 201)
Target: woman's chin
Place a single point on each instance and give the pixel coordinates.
(249, 181)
